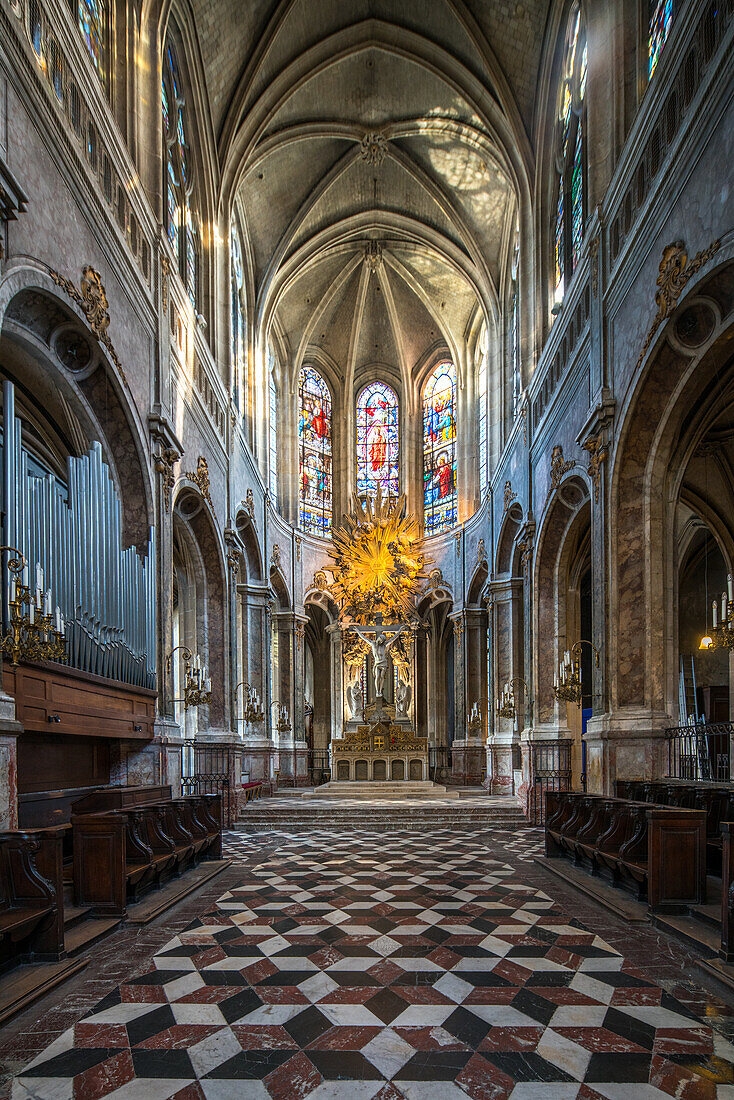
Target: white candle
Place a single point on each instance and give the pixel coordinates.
(39, 575)
(208, 685)
(47, 602)
(723, 607)
(12, 587)
(715, 612)
(31, 612)
(63, 624)
(730, 587)
(58, 620)
(555, 680)
(24, 575)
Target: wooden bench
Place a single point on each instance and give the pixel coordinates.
(31, 897)
(121, 853)
(716, 799)
(658, 852)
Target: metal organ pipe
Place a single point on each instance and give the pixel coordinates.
(107, 595)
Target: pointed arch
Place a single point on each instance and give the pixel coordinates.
(315, 464)
(439, 449)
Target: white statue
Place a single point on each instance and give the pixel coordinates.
(380, 647)
(355, 701)
(403, 696)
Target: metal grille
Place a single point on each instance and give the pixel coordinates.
(550, 770)
(700, 752)
(213, 769)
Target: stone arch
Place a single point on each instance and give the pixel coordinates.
(665, 416)
(506, 549)
(568, 509)
(194, 523)
(54, 358)
(476, 585)
(253, 561)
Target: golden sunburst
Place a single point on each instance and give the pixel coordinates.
(378, 565)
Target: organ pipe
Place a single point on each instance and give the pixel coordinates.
(106, 594)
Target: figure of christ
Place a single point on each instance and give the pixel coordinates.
(378, 449)
(380, 648)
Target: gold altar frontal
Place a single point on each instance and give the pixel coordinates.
(383, 751)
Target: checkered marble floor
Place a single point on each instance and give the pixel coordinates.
(360, 965)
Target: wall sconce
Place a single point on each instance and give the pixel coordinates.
(197, 688)
(507, 702)
(253, 711)
(34, 633)
(567, 683)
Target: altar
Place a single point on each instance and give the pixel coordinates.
(381, 752)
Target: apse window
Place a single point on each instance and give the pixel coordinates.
(570, 158)
(661, 19)
(93, 20)
(314, 454)
(439, 450)
(378, 441)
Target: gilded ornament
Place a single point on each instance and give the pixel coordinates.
(320, 581)
(298, 540)
(558, 468)
(673, 274)
(378, 566)
(201, 479)
(509, 496)
(92, 300)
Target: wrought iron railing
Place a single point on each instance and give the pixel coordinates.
(700, 752)
(550, 770)
(213, 769)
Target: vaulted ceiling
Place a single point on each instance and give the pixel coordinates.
(376, 150)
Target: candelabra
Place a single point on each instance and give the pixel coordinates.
(507, 701)
(253, 710)
(34, 633)
(722, 635)
(197, 687)
(283, 722)
(567, 685)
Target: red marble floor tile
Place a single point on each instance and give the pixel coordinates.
(679, 1081)
(587, 1093)
(444, 956)
(178, 1037)
(689, 1040)
(562, 995)
(483, 1081)
(143, 994)
(512, 972)
(104, 1078)
(206, 995)
(327, 956)
(349, 995)
(293, 1080)
(98, 1036)
(344, 1038)
(492, 995)
(208, 958)
(390, 1092)
(632, 996)
(383, 909)
(385, 971)
(281, 995)
(429, 1038)
(258, 971)
(600, 1039)
(422, 995)
(194, 1091)
(263, 1037)
(564, 957)
(512, 1038)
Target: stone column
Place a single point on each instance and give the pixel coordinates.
(258, 746)
(467, 749)
(300, 745)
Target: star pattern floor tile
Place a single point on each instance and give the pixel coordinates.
(364, 965)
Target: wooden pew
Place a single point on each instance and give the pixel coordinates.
(657, 851)
(121, 853)
(31, 897)
(717, 800)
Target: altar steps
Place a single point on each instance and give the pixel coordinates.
(291, 812)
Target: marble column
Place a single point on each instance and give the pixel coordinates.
(508, 665)
(467, 755)
(257, 746)
(300, 745)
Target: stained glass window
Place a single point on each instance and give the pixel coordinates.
(515, 331)
(661, 18)
(439, 449)
(482, 387)
(570, 195)
(314, 453)
(238, 315)
(181, 219)
(92, 16)
(378, 440)
(272, 430)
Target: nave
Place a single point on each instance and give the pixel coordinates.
(386, 965)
